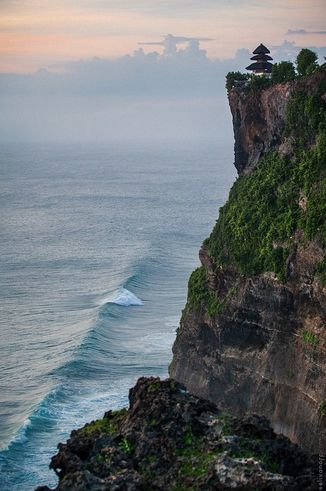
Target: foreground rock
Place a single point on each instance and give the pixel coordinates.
(171, 440)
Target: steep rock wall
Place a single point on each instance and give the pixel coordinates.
(259, 120)
(257, 342)
(258, 123)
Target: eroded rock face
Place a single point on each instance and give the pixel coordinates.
(259, 121)
(170, 440)
(265, 350)
(257, 355)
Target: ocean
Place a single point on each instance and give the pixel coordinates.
(97, 244)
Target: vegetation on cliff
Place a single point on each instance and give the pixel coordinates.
(264, 265)
(255, 231)
(199, 293)
(284, 71)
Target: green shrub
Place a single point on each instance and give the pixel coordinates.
(310, 338)
(198, 287)
(108, 424)
(126, 446)
(256, 221)
(199, 293)
(283, 72)
(306, 116)
(231, 77)
(258, 82)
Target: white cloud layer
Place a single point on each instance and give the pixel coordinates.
(180, 94)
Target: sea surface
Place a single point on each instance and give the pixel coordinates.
(97, 244)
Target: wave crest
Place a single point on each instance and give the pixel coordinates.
(122, 297)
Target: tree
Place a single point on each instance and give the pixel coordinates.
(231, 77)
(283, 72)
(258, 82)
(306, 62)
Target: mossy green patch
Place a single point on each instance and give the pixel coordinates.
(189, 439)
(196, 463)
(225, 420)
(310, 338)
(199, 293)
(245, 449)
(109, 424)
(198, 287)
(154, 386)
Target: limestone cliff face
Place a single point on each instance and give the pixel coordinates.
(259, 120)
(258, 123)
(255, 341)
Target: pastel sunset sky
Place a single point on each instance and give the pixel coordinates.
(43, 33)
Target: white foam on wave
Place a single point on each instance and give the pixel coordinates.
(19, 437)
(122, 297)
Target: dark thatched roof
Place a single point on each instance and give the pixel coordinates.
(261, 57)
(265, 66)
(261, 49)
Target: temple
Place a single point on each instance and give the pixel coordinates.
(261, 58)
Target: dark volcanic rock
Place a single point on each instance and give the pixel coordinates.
(171, 440)
(252, 357)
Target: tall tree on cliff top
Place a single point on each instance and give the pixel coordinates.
(306, 62)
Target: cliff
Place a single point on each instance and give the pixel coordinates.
(170, 440)
(252, 337)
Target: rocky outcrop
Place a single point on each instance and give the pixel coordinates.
(257, 342)
(259, 120)
(171, 440)
(258, 123)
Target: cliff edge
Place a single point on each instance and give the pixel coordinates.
(252, 337)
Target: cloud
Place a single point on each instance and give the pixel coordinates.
(181, 72)
(38, 32)
(289, 50)
(142, 95)
(295, 32)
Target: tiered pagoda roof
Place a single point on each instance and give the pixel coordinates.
(259, 57)
(261, 50)
(261, 60)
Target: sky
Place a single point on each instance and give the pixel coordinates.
(37, 33)
(100, 69)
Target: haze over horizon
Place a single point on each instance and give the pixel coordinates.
(98, 70)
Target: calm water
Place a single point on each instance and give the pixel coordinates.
(97, 243)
